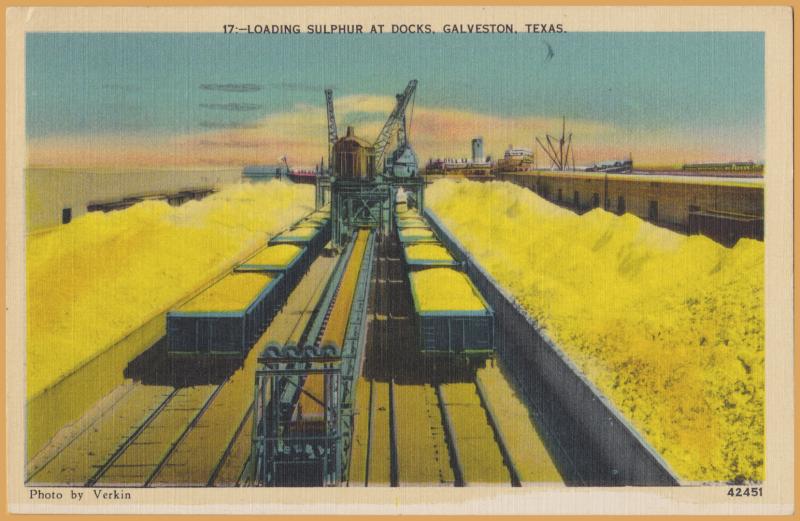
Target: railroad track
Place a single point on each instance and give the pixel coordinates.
(228, 466)
(419, 434)
(478, 450)
(137, 438)
(142, 456)
(420, 454)
(422, 428)
(185, 467)
(76, 460)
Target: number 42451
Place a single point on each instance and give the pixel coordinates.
(745, 491)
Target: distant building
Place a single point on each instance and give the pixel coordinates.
(477, 150)
(622, 166)
(733, 166)
(477, 165)
(512, 152)
(256, 173)
(516, 160)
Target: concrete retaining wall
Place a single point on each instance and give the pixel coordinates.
(665, 203)
(592, 443)
(49, 191)
(68, 399)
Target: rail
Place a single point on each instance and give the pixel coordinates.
(450, 437)
(498, 434)
(191, 425)
(129, 441)
(229, 448)
(393, 457)
(371, 431)
(67, 399)
(589, 431)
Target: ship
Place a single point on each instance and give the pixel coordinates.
(450, 166)
(516, 160)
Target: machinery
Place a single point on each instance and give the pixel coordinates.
(323, 177)
(304, 391)
(364, 177)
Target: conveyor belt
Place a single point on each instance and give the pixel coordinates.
(340, 313)
(164, 436)
(302, 428)
(311, 401)
(212, 450)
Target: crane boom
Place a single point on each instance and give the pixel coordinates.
(332, 132)
(401, 130)
(395, 119)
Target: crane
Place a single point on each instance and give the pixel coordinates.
(332, 132)
(396, 118)
(402, 130)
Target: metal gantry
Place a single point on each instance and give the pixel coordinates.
(286, 449)
(357, 204)
(395, 119)
(333, 133)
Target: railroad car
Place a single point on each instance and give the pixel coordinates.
(426, 255)
(317, 217)
(292, 260)
(450, 314)
(409, 211)
(416, 222)
(312, 238)
(408, 216)
(226, 318)
(414, 235)
(309, 224)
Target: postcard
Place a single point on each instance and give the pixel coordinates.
(400, 260)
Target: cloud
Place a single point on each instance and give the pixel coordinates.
(233, 107)
(229, 144)
(297, 87)
(301, 134)
(227, 124)
(231, 87)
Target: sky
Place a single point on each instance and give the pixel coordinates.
(205, 99)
